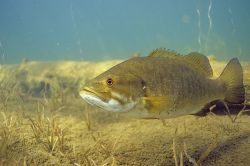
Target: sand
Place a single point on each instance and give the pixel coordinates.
(59, 128)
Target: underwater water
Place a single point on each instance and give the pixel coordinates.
(101, 30)
(50, 49)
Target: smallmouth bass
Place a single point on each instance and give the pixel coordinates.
(164, 84)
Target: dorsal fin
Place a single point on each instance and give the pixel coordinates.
(200, 62)
(162, 52)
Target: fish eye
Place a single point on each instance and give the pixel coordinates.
(109, 81)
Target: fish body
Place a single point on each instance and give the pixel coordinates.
(164, 85)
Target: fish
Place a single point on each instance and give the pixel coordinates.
(164, 84)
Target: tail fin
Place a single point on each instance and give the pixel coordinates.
(232, 76)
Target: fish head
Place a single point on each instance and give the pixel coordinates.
(116, 91)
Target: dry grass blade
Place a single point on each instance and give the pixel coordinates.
(110, 152)
(7, 133)
(52, 135)
(190, 159)
(174, 149)
(210, 148)
(38, 124)
(48, 133)
(181, 159)
(5, 137)
(37, 130)
(88, 119)
(174, 153)
(240, 113)
(233, 119)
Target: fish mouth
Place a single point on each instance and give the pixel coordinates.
(88, 94)
(87, 90)
(94, 98)
(90, 91)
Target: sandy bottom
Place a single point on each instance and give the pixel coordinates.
(93, 137)
(65, 131)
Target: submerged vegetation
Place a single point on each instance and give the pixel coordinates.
(44, 122)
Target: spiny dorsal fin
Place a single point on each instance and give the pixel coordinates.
(200, 62)
(162, 52)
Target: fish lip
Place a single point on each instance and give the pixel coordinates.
(87, 90)
(90, 91)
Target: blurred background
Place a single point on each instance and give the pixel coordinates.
(115, 29)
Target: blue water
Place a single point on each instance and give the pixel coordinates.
(115, 29)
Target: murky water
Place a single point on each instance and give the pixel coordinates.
(48, 49)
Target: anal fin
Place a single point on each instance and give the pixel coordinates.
(221, 108)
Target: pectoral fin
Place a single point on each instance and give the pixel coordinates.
(157, 103)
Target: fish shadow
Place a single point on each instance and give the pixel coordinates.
(220, 109)
(226, 146)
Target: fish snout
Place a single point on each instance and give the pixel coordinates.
(86, 89)
(89, 90)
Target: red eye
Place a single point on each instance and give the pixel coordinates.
(110, 82)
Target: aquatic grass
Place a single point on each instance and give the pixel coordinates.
(84, 156)
(48, 132)
(57, 98)
(177, 161)
(8, 89)
(5, 139)
(38, 124)
(5, 132)
(56, 135)
(51, 138)
(88, 120)
(228, 129)
(174, 152)
(110, 152)
(62, 89)
(224, 126)
(182, 151)
(234, 127)
(107, 150)
(190, 159)
(9, 127)
(227, 111)
(214, 144)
